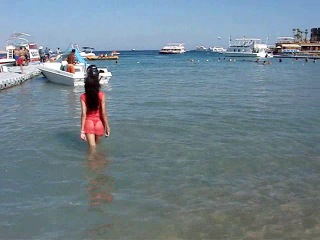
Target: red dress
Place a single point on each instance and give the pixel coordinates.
(94, 122)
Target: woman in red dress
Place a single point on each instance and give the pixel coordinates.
(94, 117)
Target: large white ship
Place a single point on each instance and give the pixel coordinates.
(248, 47)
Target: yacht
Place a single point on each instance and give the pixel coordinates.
(218, 49)
(201, 48)
(173, 48)
(248, 47)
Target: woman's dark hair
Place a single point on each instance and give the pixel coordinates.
(93, 71)
(92, 87)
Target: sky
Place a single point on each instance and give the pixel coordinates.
(151, 24)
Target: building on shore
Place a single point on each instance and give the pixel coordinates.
(299, 45)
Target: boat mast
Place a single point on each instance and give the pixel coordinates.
(267, 39)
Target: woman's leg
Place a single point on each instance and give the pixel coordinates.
(21, 67)
(98, 138)
(91, 139)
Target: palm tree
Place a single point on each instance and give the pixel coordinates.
(306, 33)
(298, 34)
(294, 32)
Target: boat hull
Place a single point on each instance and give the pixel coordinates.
(103, 58)
(7, 61)
(247, 55)
(161, 52)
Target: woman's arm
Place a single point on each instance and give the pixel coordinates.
(83, 120)
(105, 115)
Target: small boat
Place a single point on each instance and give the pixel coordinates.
(173, 48)
(103, 57)
(114, 53)
(87, 51)
(56, 71)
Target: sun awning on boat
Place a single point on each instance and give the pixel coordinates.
(77, 54)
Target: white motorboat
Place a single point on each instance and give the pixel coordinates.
(248, 47)
(114, 53)
(218, 49)
(86, 52)
(57, 71)
(173, 48)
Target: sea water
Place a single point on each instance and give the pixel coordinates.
(201, 147)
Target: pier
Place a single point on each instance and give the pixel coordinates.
(11, 76)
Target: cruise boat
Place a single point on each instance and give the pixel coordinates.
(173, 48)
(248, 47)
(57, 71)
(218, 49)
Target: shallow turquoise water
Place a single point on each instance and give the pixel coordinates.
(198, 150)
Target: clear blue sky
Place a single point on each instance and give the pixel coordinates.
(151, 24)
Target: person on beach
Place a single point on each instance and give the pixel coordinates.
(94, 117)
(71, 59)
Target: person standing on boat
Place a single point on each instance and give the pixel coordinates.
(26, 56)
(71, 59)
(94, 117)
(46, 52)
(42, 55)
